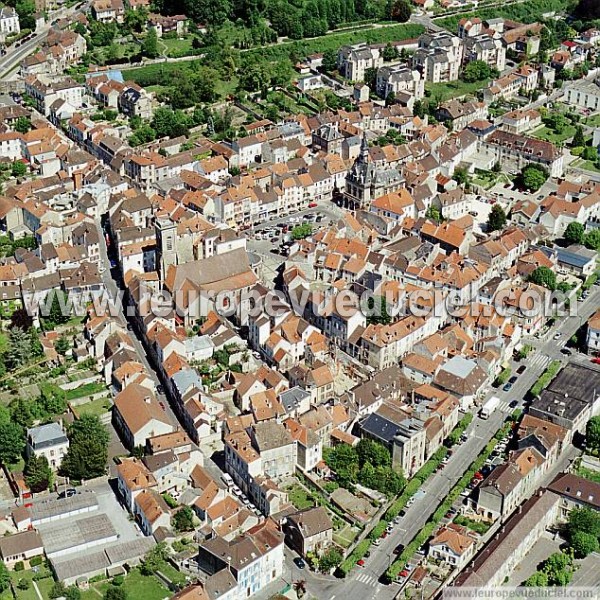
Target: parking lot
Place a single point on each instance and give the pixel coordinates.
(272, 240)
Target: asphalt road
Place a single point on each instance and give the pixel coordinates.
(15, 55)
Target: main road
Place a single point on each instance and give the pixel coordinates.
(15, 54)
(363, 582)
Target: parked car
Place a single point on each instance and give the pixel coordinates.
(68, 493)
(299, 562)
(507, 386)
(513, 403)
(312, 205)
(522, 369)
(399, 549)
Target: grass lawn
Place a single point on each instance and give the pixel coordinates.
(85, 390)
(159, 73)
(157, 89)
(300, 498)
(6, 595)
(95, 407)
(345, 536)
(485, 179)
(226, 88)
(454, 89)
(177, 47)
(477, 526)
(172, 573)
(589, 474)
(593, 121)
(586, 165)
(139, 587)
(545, 133)
(44, 585)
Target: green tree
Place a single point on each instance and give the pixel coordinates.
(588, 9)
(584, 519)
(208, 12)
(58, 590)
(62, 345)
(255, 76)
(19, 346)
(329, 60)
(169, 123)
(38, 474)
(401, 11)
(88, 449)
(574, 233)
(154, 559)
(135, 20)
(183, 519)
(378, 310)
(330, 559)
(12, 442)
(539, 579)
(461, 176)
(578, 138)
(434, 213)
(73, 593)
(591, 239)
(590, 154)
(533, 177)
(302, 231)
(22, 124)
(371, 77)
(19, 169)
(373, 452)
(150, 44)
(343, 459)
(584, 543)
(23, 584)
(544, 276)
(557, 561)
(4, 577)
(59, 311)
(115, 593)
(390, 52)
(476, 70)
(418, 109)
(592, 435)
(496, 219)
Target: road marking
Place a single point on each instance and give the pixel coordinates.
(366, 579)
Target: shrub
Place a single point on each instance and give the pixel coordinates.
(36, 561)
(546, 377)
(24, 584)
(19, 566)
(358, 552)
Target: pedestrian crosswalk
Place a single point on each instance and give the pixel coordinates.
(367, 579)
(504, 407)
(536, 361)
